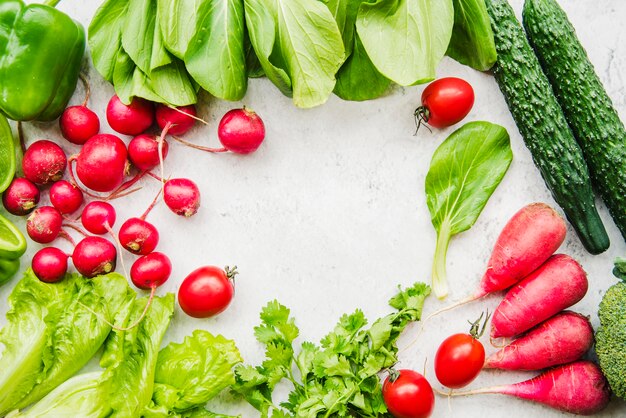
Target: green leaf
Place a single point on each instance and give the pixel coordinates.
(105, 35)
(472, 40)
(619, 270)
(177, 21)
(277, 325)
(406, 39)
(298, 45)
(464, 172)
(51, 332)
(216, 56)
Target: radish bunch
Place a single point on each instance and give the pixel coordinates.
(541, 286)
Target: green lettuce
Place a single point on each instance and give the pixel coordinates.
(472, 40)
(124, 388)
(51, 332)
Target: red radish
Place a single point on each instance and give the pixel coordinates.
(44, 162)
(241, 131)
(49, 264)
(558, 284)
(207, 291)
(101, 164)
(131, 119)
(182, 196)
(98, 217)
(143, 151)
(78, 124)
(151, 270)
(44, 224)
(93, 256)
(138, 236)
(577, 388)
(65, 197)
(180, 119)
(21, 197)
(564, 338)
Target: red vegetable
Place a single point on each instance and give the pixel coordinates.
(98, 217)
(178, 118)
(445, 102)
(94, 256)
(78, 124)
(131, 119)
(241, 131)
(182, 196)
(65, 197)
(101, 163)
(564, 338)
(206, 291)
(558, 284)
(408, 394)
(151, 271)
(21, 197)
(44, 162)
(460, 357)
(49, 264)
(44, 224)
(143, 151)
(577, 388)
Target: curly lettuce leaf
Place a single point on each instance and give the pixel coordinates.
(51, 332)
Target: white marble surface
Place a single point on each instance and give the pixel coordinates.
(330, 214)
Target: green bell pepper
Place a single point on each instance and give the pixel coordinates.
(41, 51)
(8, 268)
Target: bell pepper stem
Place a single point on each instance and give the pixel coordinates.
(51, 3)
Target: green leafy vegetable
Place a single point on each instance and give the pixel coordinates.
(464, 172)
(298, 45)
(472, 40)
(51, 333)
(406, 39)
(216, 56)
(338, 377)
(177, 20)
(619, 270)
(105, 36)
(124, 387)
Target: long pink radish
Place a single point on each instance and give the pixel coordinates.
(564, 338)
(528, 239)
(558, 284)
(577, 388)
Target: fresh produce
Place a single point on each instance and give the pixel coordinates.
(78, 124)
(125, 387)
(21, 197)
(577, 388)
(472, 38)
(241, 131)
(182, 196)
(94, 256)
(420, 32)
(49, 264)
(564, 338)
(101, 163)
(338, 377)
(65, 197)
(143, 151)
(51, 333)
(445, 102)
(408, 394)
(610, 337)
(463, 173)
(42, 50)
(8, 269)
(460, 357)
(558, 284)
(138, 236)
(44, 224)
(587, 107)
(7, 153)
(131, 119)
(151, 271)
(180, 119)
(98, 217)
(543, 127)
(44, 162)
(12, 242)
(207, 291)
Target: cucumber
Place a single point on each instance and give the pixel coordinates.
(542, 124)
(588, 109)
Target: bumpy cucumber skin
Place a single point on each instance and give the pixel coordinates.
(588, 109)
(542, 124)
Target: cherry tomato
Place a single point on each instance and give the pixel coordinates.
(458, 361)
(408, 394)
(445, 102)
(206, 291)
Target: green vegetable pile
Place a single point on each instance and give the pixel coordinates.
(167, 50)
(339, 377)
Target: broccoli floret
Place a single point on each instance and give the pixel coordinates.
(611, 338)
